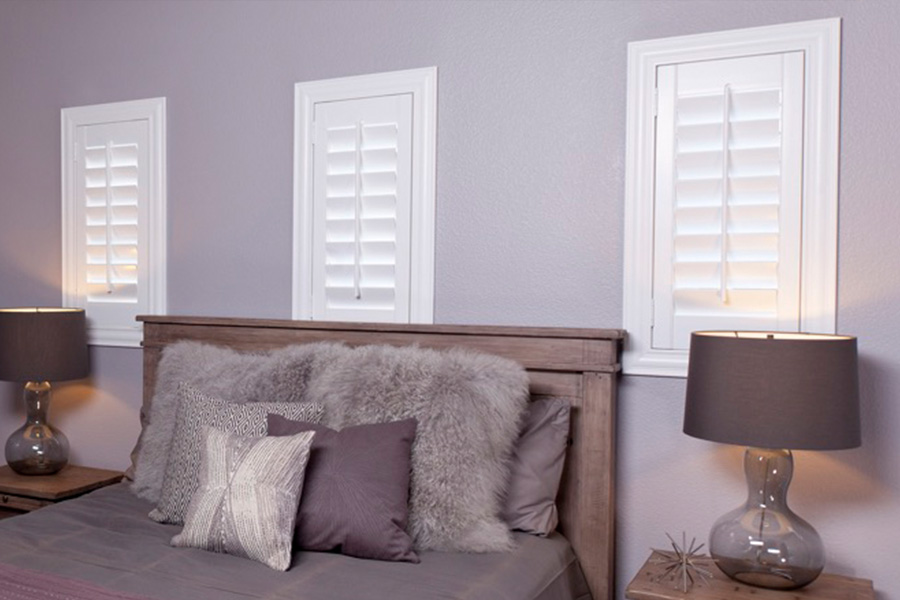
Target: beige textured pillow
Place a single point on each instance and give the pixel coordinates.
(246, 503)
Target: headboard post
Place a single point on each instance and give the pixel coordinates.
(581, 365)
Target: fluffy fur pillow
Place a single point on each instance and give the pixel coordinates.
(468, 407)
(248, 496)
(221, 372)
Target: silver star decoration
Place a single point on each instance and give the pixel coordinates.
(682, 564)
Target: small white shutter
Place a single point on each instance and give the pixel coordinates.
(114, 230)
(111, 200)
(361, 209)
(112, 182)
(728, 196)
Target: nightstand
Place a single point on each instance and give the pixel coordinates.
(645, 586)
(22, 493)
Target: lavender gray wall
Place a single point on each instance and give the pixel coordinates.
(531, 147)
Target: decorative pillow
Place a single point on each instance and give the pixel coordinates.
(537, 466)
(247, 499)
(357, 488)
(468, 407)
(223, 373)
(197, 410)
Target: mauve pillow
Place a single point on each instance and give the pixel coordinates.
(537, 466)
(356, 489)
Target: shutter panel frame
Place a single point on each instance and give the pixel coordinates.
(743, 267)
(361, 221)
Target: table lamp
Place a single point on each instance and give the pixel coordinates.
(39, 345)
(772, 392)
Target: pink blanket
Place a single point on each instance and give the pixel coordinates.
(17, 583)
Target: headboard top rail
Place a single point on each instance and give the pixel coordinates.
(494, 330)
(536, 348)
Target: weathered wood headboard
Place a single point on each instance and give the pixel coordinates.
(579, 364)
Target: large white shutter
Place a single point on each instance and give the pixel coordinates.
(114, 216)
(361, 188)
(729, 148)
(730, 187)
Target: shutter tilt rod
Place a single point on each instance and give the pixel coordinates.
(109, 232)
(723, 261)
(357, 234)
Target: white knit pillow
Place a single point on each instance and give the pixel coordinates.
(197, 410)
(246, 503)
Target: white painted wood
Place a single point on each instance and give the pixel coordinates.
(818, 42)
(727, 223)
(421, 86)
(114, 216)
(361, 216)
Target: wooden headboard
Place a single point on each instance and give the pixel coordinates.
(579, 364)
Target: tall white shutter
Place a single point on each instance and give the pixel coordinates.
(361, 210)
(728, 196)
(114, 215)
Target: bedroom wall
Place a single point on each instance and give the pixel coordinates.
(531, 148)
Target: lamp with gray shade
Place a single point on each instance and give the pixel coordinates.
(772, 392)
(39, 345)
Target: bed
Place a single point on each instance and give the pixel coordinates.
(105, 538)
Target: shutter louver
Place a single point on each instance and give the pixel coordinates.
(362, 199)
(730, 187)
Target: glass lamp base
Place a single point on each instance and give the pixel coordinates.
(37, 448)
(763, 543)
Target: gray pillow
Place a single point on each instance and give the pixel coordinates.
(468, 407)
(537, 467)
(356, 493)
(197, 410)
(280, 375)
(247, 499)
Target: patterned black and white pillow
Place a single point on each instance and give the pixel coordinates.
(247, 497)
(196, 410)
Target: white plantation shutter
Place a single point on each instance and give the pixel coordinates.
(361, 183)
(730, 187)
(728, 196)
(112, 185)
(364, 197)
(114, 216)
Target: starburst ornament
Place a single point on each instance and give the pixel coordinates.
(681, 565)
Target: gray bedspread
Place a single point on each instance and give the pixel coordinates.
(106, 538)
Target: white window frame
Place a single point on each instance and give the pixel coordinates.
(153, 110)
(422, 84)
(820, 42)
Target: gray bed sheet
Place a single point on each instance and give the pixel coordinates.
(106, 538)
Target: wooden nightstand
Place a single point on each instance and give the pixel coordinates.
(22, 493)
(645, 586)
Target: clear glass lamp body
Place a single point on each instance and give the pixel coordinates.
(763, 543)
(37, 448)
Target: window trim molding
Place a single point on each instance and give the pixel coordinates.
(153, 110)
(422, 84)
(820, 41)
